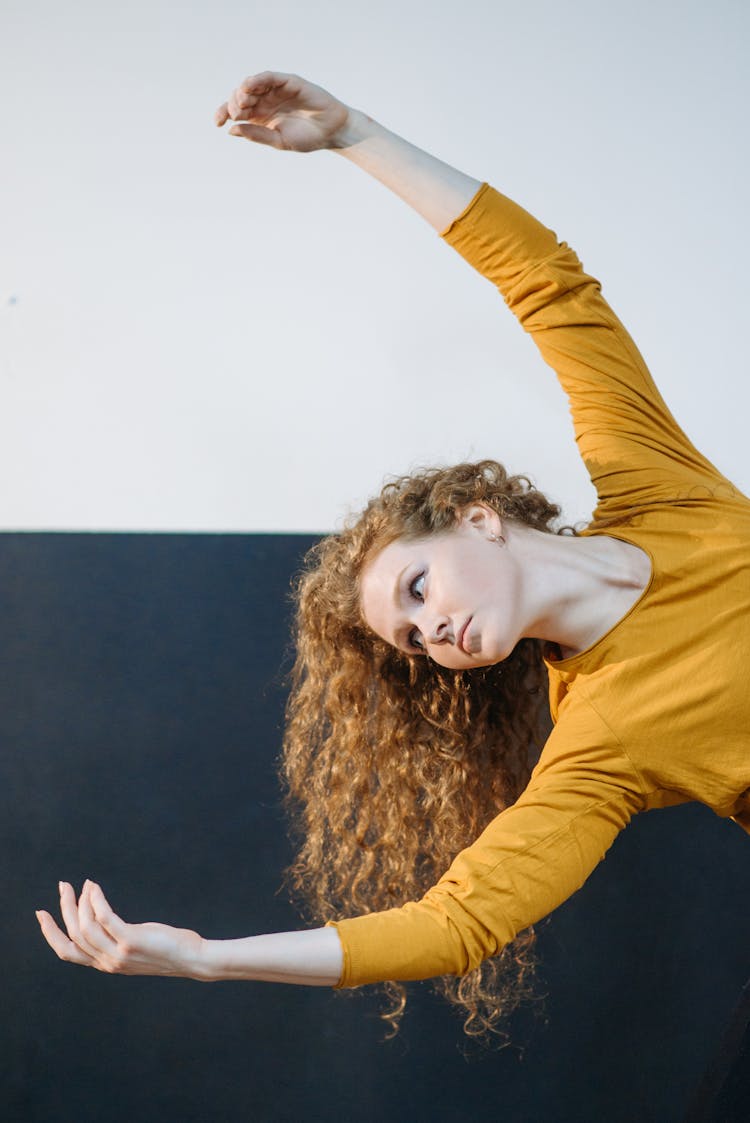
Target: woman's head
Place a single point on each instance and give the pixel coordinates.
(452, 596)
(420, 568)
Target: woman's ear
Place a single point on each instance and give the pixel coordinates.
(482, 518)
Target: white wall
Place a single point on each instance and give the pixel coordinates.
(199, 334)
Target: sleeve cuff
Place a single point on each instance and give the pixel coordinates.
(346, 968)
(485, 187)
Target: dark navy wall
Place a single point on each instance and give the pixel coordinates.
(141, 699)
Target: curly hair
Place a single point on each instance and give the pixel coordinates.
(391, 763)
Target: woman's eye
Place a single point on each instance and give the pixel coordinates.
(415, 640)
(417, 587)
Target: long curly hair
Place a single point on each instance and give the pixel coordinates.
(392, 764)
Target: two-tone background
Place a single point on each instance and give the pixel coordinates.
(209, 353)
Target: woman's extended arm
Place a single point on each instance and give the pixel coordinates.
(631, 444)
(527, 861)
(97, 937)
(286, 112)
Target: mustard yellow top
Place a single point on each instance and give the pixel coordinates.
(657, 711)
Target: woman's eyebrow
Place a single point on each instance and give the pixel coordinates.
(401, 632)
(397, 588)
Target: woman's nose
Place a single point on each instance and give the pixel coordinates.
(440, 631)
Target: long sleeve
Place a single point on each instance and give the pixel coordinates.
(527, 861)
(632, 447)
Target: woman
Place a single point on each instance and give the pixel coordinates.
(420, 634)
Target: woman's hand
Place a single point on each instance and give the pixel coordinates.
(98, 937)
(286, 112)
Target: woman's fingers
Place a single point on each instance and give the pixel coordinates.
(84, 928)
(263, 92)
(270, 80)
(96, 934)
(243, 99)
(239, 111)
(113, 925)
(69, 910)
(258, 133)
(93, 932)
(63, 947)
(242, 109)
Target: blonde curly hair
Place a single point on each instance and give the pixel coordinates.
(391, 763)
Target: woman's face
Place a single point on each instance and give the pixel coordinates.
(451, 596)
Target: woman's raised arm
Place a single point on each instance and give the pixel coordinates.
(632, 446)
(288, 113)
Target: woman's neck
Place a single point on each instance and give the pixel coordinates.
(574, 589)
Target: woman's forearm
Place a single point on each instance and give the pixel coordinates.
(435, 190)
(290, 113)
(312, 958)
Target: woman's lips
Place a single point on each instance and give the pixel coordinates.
(465, 646)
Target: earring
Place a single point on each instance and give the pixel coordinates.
(497, 538)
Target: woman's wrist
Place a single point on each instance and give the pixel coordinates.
(357, 129)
